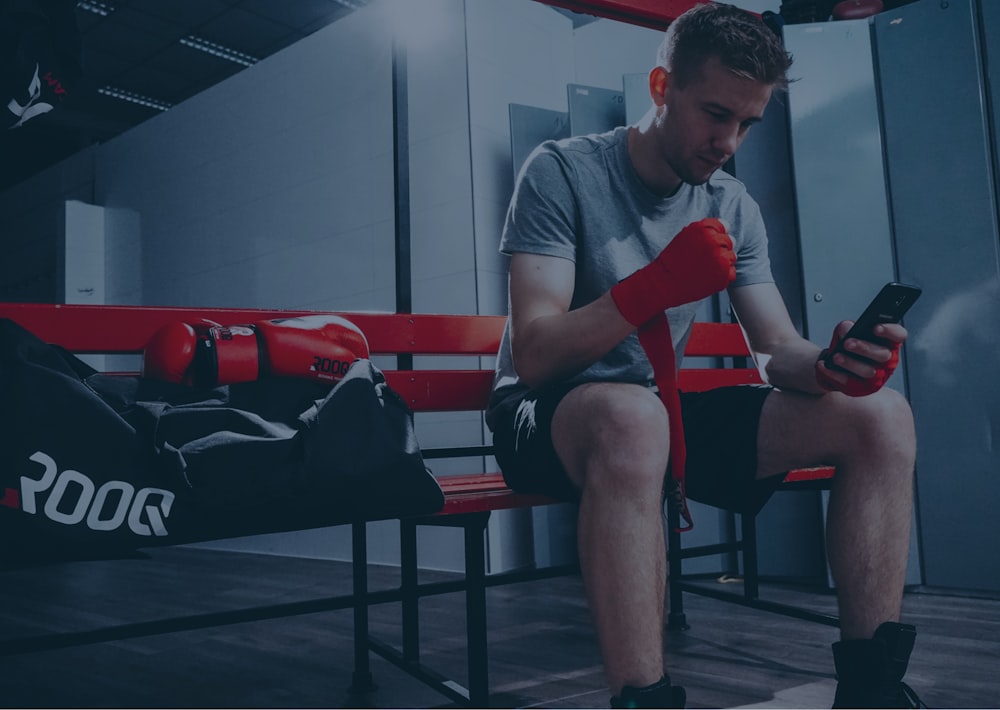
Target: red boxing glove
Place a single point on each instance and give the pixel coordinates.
(855, 386)
(171, 352)
(313, 347)
(698, 262)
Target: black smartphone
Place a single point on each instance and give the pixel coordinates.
(888, 306)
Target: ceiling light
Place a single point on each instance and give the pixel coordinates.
(123, 95)
(98, 8)
(352, 4)
(217, 50)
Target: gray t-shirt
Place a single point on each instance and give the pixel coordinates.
(581, 199)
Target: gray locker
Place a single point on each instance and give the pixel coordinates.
(843, 213)
(593, 109)
(894, 139)
(939, 143)
(530, 126)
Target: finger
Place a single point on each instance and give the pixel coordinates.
(893, 332)
(862, 366)
(714, 223)
(843, 327)
(834, 374)
(868, 350)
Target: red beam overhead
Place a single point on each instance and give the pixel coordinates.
(657, 14)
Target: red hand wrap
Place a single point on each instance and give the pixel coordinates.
(857, 386)
(655, 339)
(698, 262)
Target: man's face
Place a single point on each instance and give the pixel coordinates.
(700, 126)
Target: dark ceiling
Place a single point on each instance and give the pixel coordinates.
(137, 47)
(142, 48)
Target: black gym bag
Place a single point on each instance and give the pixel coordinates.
(95, 465)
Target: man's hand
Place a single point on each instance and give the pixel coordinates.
(860, 367)
(698, 262)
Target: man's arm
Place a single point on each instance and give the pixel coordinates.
(792, 359)
(548, 340)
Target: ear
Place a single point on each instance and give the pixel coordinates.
(659, 85)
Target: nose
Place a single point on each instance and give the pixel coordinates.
(728, 139)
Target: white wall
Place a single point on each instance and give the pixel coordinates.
(272, 189)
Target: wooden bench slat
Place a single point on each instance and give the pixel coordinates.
(819, 473)
(716, 340)
(442, 390)
(127, 329)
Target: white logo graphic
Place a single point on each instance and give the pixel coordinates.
(74, 498)
(30, 109)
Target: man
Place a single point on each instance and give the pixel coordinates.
(606, 233)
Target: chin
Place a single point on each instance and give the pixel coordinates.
(696, 180)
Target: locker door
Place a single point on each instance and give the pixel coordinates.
(940, 170)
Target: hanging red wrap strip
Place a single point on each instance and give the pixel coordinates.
(656, 341)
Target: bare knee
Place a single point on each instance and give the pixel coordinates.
(613, 436)
(881, 428)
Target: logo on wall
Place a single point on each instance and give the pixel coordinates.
(33, 107)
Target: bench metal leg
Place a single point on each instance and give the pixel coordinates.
(475, 611)
(751, 576)
(676, 619)
(362, 680)
(408, 586)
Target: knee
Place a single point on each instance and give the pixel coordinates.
(882, 425)
(627, 446)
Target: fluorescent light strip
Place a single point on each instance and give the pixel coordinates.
(352, 4)
(123, 95)
(98, 8)
(217, 50)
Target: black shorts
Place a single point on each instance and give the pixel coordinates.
(720, 434)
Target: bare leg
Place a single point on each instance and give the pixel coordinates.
(871, 442)
(613, 441)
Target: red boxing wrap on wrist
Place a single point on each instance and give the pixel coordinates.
(857, 386)
(698, 262)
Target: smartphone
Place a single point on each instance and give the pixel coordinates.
(888, 306)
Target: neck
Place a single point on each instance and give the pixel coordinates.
(649, 165)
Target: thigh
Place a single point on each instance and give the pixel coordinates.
(522, 444)
(802, 430)
(544, 439)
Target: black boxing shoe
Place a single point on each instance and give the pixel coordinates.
(870, 671)
(660, 694)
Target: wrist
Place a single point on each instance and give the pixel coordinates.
(643, 295)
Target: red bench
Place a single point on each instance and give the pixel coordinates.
(469, 498)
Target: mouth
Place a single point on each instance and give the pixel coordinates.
(710, 163)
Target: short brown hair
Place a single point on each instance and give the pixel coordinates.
(741, 41)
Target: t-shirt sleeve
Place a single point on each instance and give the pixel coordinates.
(542, 215)
(753, 265)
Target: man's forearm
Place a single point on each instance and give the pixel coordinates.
(792, 366)
(552, 347)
